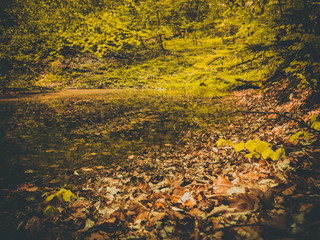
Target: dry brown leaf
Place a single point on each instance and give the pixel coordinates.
(87, 169)
(135, 174)
(222, 181)
(100, 235)
(250, 176)
(191, 202)
(24, 187)
(178, 181)
(157, 217)
(217, 210)
(32, 189)
(141, 216)
(245, 202)
(222, 185)
(289, 190)
(236, 181)
(195, 212)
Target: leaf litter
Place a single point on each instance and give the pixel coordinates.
(194, 190)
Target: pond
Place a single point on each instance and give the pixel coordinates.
(49, 133)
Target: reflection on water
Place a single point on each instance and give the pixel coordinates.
(44, 137)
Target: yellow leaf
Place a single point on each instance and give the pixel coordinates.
(250, 145)
(306, 136)
(280, 151)
(251, 155)
(231, 143)
(261, 146)
(316, 126)
(49, 198)
(266, 154)
(239, 147)
(274, 156)
(67, 195)
(314, 118)
(295, 136)
(221, 142)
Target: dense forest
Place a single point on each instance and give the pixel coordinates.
(149, 119)
(41, 40)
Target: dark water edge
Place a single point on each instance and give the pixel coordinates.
(42, 139)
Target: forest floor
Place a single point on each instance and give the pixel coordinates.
(196, 189)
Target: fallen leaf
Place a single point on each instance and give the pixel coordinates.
(289, 190)
(89, 224)
(222, 185)
(218, 210)
(100, 235)
(249, 176)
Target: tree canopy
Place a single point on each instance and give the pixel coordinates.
(36, 32)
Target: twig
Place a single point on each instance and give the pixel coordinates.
(255, 130)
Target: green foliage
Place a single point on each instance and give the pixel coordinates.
(256, 148)
(314, 124)
(296, 136)
(215, 43)
(62, 195)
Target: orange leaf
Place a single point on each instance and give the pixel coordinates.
(191, 202)
(141, 216)
(250, 176)
(222, 185)
(236, 181)
(159, 203)
(221, 181)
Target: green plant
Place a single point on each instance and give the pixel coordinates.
(256, 148)
(314, 124)
(62, 195)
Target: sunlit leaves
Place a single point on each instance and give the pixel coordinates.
(239, 147)
(250, 145)
(295, 136)
(316, 126)
(314, 118)
(222, 142)
(256, 148)
(62, 195)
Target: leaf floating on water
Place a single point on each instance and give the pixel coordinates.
(50, 150)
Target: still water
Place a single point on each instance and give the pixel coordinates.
(42, 135)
